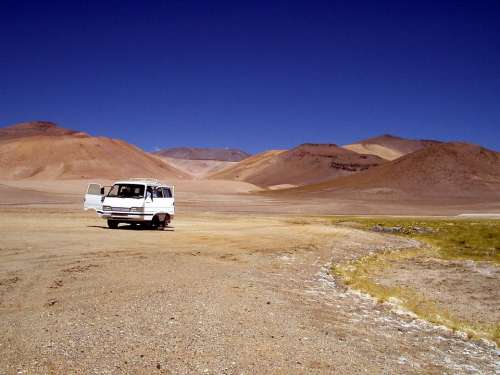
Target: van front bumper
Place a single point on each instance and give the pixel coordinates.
(132, 216)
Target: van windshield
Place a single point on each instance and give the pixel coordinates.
(127, 191)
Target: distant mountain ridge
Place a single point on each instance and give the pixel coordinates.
(384, 166)
(204, 153)
(304, 164)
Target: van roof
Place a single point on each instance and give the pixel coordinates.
(149, 182)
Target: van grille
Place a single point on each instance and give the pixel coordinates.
(120, 209)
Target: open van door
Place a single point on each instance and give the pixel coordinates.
(93, 197)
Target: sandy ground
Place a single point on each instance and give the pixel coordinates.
(241, 197)
(218, 293)
(215, 294)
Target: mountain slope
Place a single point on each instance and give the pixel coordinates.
(200, 153)
(389, 147)
(245, 169)
(198, 168)
(41, 150)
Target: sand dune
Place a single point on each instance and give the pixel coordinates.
(446, 170)
(388, 146)
(204, 153)
(307, 163)
(44, 151)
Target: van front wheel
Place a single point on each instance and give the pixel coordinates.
(112, 224)
(155, 223)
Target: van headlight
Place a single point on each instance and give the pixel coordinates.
(137, 209)
(106, 208)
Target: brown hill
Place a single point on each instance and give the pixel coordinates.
(446, 170)
(247, 168)
(307, 163)
(29, 129)
(201, 153)
(42, 150)
(389, 147)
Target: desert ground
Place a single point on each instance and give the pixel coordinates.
(239, 284)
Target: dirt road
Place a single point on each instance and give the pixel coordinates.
(217, 294)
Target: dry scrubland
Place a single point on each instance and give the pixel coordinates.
(249, 291)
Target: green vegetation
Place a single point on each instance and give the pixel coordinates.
(454, 239)
(457, 239)
(359, 274)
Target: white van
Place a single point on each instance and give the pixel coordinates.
(135, 201)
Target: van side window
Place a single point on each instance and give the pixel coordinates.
(167, 193)
(94, 189)
(157, 193)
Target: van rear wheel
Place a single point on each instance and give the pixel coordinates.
(112, 224)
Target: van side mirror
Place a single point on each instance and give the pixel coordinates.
(102, 191)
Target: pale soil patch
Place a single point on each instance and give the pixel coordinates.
(373, 149)
(281, 186)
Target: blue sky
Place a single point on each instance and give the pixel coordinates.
(254, 75)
